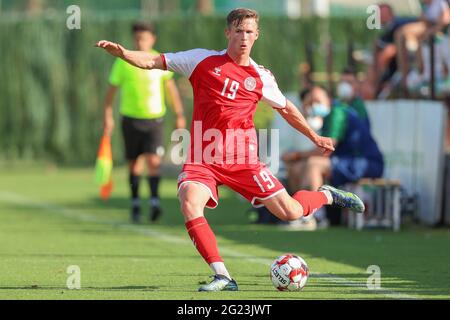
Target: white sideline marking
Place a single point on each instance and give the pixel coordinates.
(13, 198)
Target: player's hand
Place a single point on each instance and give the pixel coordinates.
(326, 144)
(180, 122)
(108, 126)
(112, 48)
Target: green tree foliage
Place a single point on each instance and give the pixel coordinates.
(53, 80)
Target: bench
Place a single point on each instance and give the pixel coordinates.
(382, 200)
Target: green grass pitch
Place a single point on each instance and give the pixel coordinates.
(51, 219)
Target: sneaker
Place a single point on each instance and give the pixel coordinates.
(345, 199)
(135, 216)
(156, 214)
(156, 211)
(220, 283)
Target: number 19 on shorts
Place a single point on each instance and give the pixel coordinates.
(264, 181)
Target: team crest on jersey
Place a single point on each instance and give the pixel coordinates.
(250, 83)
(217, 71)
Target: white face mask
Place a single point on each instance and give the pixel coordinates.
(345, 91)
(316, 123)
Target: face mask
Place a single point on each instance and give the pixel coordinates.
(345, 91)
(316, 123)
(320, 110)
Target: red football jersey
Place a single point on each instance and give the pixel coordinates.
(225, 99)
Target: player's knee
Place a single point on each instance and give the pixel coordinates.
(134, 167)
(191, 208)
(154, 162)
(292, 213)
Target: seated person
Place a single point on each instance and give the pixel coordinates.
(316, 107)
(435, 17)
(385, 50)
(441, 44)
(356, 156)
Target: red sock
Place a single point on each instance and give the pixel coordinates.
(311, 201)
(204, 239)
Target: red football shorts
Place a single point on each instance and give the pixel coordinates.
(254, 182)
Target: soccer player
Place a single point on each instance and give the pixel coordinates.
(227, 86)
(142, 108)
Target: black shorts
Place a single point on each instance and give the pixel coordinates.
(142, 136)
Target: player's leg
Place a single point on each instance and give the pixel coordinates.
(304, 203)
(301, 204)
(256, 183)
(132, 138)
(271, 193)
(310, 175)
(135, 171)
(134, 175)
(193, 199)
(154, 179)
(154, 151)
(318, 168)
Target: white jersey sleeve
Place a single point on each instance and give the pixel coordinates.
(271, 94)
(185, 62)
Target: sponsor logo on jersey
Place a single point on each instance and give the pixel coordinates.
(250, 83)
(182, 176)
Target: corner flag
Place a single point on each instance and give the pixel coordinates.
(103, 168)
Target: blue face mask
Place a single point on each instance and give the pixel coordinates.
(320, 110)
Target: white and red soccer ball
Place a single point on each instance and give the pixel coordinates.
(289, 272)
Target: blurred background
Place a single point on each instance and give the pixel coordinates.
(53, 81)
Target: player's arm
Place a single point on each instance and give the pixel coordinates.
(140, 59)
(294, 117)
(176, 103)
(108, 118)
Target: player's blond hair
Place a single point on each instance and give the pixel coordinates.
(236, 16)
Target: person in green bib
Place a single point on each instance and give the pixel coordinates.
(142, 107)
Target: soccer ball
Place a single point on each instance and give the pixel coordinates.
(289, 273)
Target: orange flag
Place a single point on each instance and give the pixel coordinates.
(103, 168)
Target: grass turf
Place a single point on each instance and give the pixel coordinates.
(52, 218)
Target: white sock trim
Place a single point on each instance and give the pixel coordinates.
(219, 268)
(327, 194)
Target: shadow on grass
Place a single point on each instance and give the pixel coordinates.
(410, 261)
(397, 254)
(120, 288)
